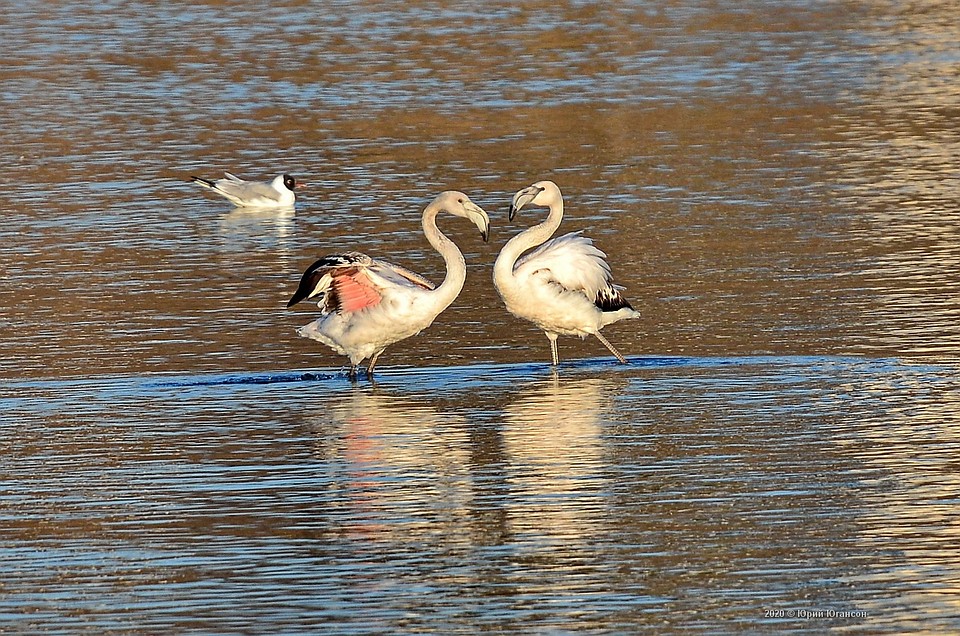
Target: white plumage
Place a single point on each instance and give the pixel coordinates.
(565, 286)
(278, 193)
(369, 304)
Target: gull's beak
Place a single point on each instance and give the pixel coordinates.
(522, 198)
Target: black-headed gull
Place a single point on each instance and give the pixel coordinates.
(253, 194)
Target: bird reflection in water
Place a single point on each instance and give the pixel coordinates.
(401, 464)
(276, 223)
(533, 468)
(266, 230)
(553, 442)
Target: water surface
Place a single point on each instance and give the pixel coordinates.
(774, 183)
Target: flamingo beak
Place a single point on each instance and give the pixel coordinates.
(522, 198)
(479, 217)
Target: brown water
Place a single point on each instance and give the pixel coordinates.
(775, 184)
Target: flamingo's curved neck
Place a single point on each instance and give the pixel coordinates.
(452, 283)
(515, 247)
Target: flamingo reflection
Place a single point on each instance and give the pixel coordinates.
(552, 439)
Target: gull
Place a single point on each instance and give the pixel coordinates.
(564, 286)
(368, 304)
(253, 194)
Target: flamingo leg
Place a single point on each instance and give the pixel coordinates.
(352, 373)
(553, 348)
(609, 346)
(373, 362)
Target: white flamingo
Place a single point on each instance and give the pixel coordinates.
(564, 286)
(369, 304)
(278, 193)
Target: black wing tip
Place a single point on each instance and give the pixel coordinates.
(297, 297)
(306, 284)
(610, 299)
(308, 281)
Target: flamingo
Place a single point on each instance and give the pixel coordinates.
(253, 194)
(564, 286)
(368, 304)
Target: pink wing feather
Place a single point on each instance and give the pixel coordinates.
(353, 290)
(353, 282)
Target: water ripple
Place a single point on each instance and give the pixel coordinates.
(773, 182)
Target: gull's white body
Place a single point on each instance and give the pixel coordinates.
(564, 286)
(369, 304)
(278, 193)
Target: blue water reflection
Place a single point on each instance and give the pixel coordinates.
(773, 182)
(488, 497)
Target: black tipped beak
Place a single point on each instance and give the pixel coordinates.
(522, 198)
(486, 235)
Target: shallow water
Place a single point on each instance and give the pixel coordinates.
(775, 185)
(676, 493)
